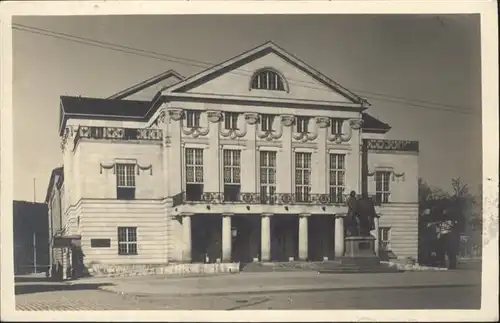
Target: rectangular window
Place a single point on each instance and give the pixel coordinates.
(336, 126)
(266, 122)
(267, 176)
(231, 120)
(302, 124)
(100, 243)
(193, 119)
(232, 171)
(125, 181)
(194, 174)
(385, 239)
(127, 241)
(337, 178)
(302, 177)
(382, 186)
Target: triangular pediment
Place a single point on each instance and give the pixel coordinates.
(233, 78)
(146, 90)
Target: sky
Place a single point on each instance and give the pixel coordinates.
(422, 75)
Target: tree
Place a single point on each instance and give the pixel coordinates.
(436, 204)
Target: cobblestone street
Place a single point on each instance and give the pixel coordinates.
(459, 289)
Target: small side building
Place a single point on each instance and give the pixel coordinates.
(31, 247)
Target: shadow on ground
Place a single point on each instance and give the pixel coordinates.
(27, 285)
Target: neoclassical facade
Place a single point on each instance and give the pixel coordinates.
(249, 160)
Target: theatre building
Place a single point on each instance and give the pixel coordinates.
(249, 160)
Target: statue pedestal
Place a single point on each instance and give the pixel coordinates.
(360, 247)
(360, 251)
(359, 257)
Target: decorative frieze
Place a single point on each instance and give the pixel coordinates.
(322, 122)
(251, 118)
(346, 134)
(391, 145)
(287, 120)
(214, 116)
(116, 133)
(175, 114)
(356, 123)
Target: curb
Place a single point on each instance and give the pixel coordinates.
(284, 291)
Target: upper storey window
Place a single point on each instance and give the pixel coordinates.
(268, 80)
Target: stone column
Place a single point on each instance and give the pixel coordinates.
(65, 263)
(376, 234)
(226, 237)
(303, 237)
(186, 233)
(339, 235)
(265, 238)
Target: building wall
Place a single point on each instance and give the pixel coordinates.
(101, 219)
(402, 219)
(401, 213)
(100, 182)
(249, 142)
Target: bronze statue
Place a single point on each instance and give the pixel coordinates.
(351, 220)
(360, 219)
(366, 214)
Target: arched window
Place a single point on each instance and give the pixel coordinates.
(268, 80)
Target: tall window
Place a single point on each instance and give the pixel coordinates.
(337, 178)
(268, 80)
(194, 174)
(385, 239)
(302, 124)
(267, 176)
(232, 171)
(337, 126)
(193, 119)
(266, 122)
(125, 181)
(382, 186)
(302, 176)
(127, 241)
(231, 120)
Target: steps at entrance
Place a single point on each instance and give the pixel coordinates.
(280, 266)
(356, 265)
(339, 266)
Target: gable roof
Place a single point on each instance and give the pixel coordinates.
(252, 54)
(146, 83)
(56, 173)
(104, 109)
(374, 125)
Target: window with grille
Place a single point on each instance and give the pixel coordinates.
(194, 174)
(337, 178)
(336, 126)
(268, 80)
(127, 241)
(302, 124)
(193, 119)
(125, 181)
(232, 172)
(302, 177)
(231, 120)
(382, 186)
(385, 238)
(267, 176)
(266, 122)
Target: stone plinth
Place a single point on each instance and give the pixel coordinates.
(360, 247)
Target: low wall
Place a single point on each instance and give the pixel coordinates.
(100, 270)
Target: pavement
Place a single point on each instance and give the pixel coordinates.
(458, 289)
(279, 282)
